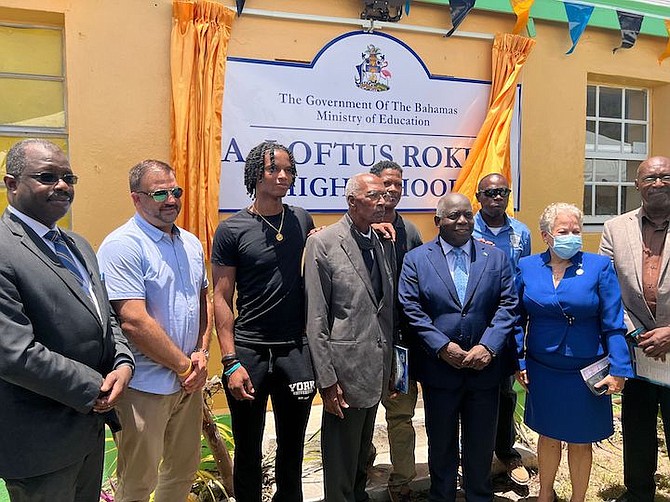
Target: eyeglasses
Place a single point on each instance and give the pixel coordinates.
(650, 180)
(162, 195)
(53, 178)
(375, 196)
(494, 192)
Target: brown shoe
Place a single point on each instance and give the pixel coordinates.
(400, 493)
(517, 472)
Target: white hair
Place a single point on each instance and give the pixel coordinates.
(548, 217)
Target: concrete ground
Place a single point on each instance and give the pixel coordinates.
(378, 475)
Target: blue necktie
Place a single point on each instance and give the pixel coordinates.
(460, 273)
(65, 256)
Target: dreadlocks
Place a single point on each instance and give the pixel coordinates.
(255, 164)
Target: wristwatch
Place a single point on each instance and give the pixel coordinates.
(489, 349)
(204, 351)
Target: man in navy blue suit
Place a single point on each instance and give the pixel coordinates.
(459, 297)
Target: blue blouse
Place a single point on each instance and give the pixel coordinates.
(582, 317)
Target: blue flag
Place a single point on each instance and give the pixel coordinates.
(459, 9)
(240, 7)
(578, 18)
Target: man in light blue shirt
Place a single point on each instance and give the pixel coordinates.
(512, 237)
(156, 280)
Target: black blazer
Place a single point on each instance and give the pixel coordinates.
(54, 351)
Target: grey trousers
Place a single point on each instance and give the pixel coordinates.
(345, 444)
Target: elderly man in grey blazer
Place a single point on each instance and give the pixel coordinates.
(63, 359)
(639, 246)
(350, 294)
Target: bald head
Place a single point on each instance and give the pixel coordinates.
(492, 179)
(659, 161)
(454, 218)
(653, 182)
(450, 200)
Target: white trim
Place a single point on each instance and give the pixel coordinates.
(590, 3)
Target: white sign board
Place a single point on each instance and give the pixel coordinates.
(366, 97)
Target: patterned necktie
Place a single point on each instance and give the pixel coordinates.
(460, 273)
(65, 256)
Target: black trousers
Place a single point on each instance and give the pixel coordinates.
(285, 375)
(477, 410)
(345, 447)
(506, 434)
(639, 414)
(79, 482)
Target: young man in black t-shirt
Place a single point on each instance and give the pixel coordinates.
(259, 251)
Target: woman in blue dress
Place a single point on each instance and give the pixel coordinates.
(571, 316)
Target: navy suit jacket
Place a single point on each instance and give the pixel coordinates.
(436, 317)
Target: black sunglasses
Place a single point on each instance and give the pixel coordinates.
(53, 178)
(162, 195)
(494, 192)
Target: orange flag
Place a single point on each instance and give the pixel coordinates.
(666, 53)
(522, 10)
(490, 152)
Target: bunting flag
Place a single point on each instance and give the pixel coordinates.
(459, 9)
(666, 53)
(522, 10)
(630, 29)
(578, 18)
(407, 7)
(240, 6)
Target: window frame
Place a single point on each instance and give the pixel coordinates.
(620, 156)
(39, 131)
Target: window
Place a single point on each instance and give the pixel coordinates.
(617, 140)
(32, 88)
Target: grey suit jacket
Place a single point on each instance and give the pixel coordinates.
(54, 351)
(350, 333)
(622, 241)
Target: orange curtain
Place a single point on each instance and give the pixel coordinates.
(198, 48)
(666, 53)
(490, 151)
(522, 10)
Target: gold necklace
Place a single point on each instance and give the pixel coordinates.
(279, 236)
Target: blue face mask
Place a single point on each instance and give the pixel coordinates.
(567, 246)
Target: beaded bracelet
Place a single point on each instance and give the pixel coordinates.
(228, 364)
(232, 369)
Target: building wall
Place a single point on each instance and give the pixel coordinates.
(118, 94)
(117, 57)
(118, 90)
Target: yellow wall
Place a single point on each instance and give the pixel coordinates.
(117, 69)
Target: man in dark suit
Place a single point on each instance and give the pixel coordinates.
(350, 295)
(638, 244)
(63, 359)
(459, 298)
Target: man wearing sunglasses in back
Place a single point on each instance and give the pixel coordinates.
(63, 358)
(512, 237)
(156, 279)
